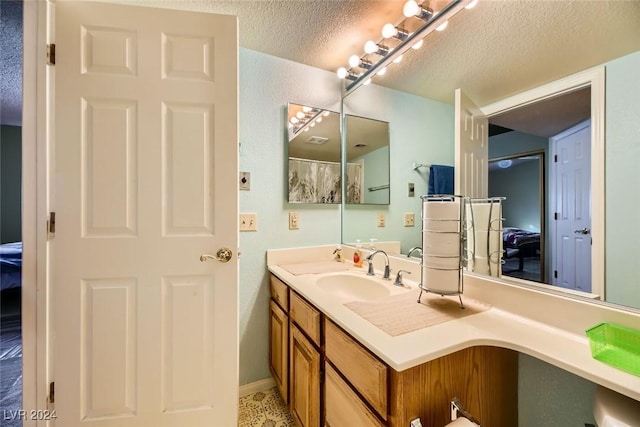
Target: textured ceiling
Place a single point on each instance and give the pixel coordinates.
(497, 49)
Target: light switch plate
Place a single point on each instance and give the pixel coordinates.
(248, 222)
(245, 181)
(381, 221)
(294, 221)
(409, 219)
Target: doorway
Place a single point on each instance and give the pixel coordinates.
(527, 133)
(520, 179)
(11, 322)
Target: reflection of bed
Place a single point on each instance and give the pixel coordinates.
(10, 265)
(520, 243)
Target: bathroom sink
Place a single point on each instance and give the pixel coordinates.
(354, 286)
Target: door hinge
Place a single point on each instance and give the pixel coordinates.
(555, 216)
(52, 394)
(555, 158)
(51, 54)
(555, 274)
(51, 225)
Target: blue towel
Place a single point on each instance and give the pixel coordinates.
(440, 179)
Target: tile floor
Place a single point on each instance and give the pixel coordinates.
(264, 409)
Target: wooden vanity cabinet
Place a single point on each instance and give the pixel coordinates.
(279, 348)
(334, 381)
(294, 353)
(279, 335)
(304, 376)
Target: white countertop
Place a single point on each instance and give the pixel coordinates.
(556, 345)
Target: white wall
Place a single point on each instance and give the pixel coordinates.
(622, 175)
(267, 84)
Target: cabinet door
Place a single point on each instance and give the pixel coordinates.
(278, 349)
(304, 376)
(343, 407)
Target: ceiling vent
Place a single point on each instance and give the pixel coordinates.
(317, 140)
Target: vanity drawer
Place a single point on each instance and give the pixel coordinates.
(363, 370)
(342, 406)
(305, 316)
(279, 292)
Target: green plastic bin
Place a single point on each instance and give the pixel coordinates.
(616, 345)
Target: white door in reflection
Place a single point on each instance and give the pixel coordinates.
(572, 237)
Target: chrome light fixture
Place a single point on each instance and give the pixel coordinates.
(397, 40)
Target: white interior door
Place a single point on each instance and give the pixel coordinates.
(471, 148)
(145, 334)
(572, 240)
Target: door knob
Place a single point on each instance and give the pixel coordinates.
(583, 231)
(223, 255)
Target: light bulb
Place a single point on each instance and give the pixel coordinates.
(442, 26)
(354, 60)
(366, 82)
(471, 4)
(410, 8)
(370, 47)
(418, 45)
(342, 72)
(398, 60)
(312, 124)
(306, 129)
(294, 120)
(319, 119)
(389, 30)
(382, 71)
(326, 113)
(306, 109)
(300, 115)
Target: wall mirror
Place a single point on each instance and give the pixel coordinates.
(367, 156)
(314, 152)
(427, 140)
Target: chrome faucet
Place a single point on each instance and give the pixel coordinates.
(387, 270)
(414, 249)
(398, 281)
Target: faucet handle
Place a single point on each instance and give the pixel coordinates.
(370, 269)
(398, 281)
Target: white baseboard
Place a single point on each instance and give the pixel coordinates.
(257, 386)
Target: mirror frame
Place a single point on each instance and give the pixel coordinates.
(594, 77)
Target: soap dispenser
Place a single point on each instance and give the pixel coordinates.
(357, 255)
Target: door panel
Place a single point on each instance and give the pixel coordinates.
(573, 205)
(471, 148)
(304, 397)
(145, 165)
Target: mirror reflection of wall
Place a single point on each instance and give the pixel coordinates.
(314, 173)
(420, 130)
(367, 143)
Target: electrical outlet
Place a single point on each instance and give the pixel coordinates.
(381, 222)
(245, 181)
(248, 222)
(409, 219)
(294, 221)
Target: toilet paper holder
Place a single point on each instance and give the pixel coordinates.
(457, 410)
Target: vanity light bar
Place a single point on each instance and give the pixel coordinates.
(385, 56)
(312, 116)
